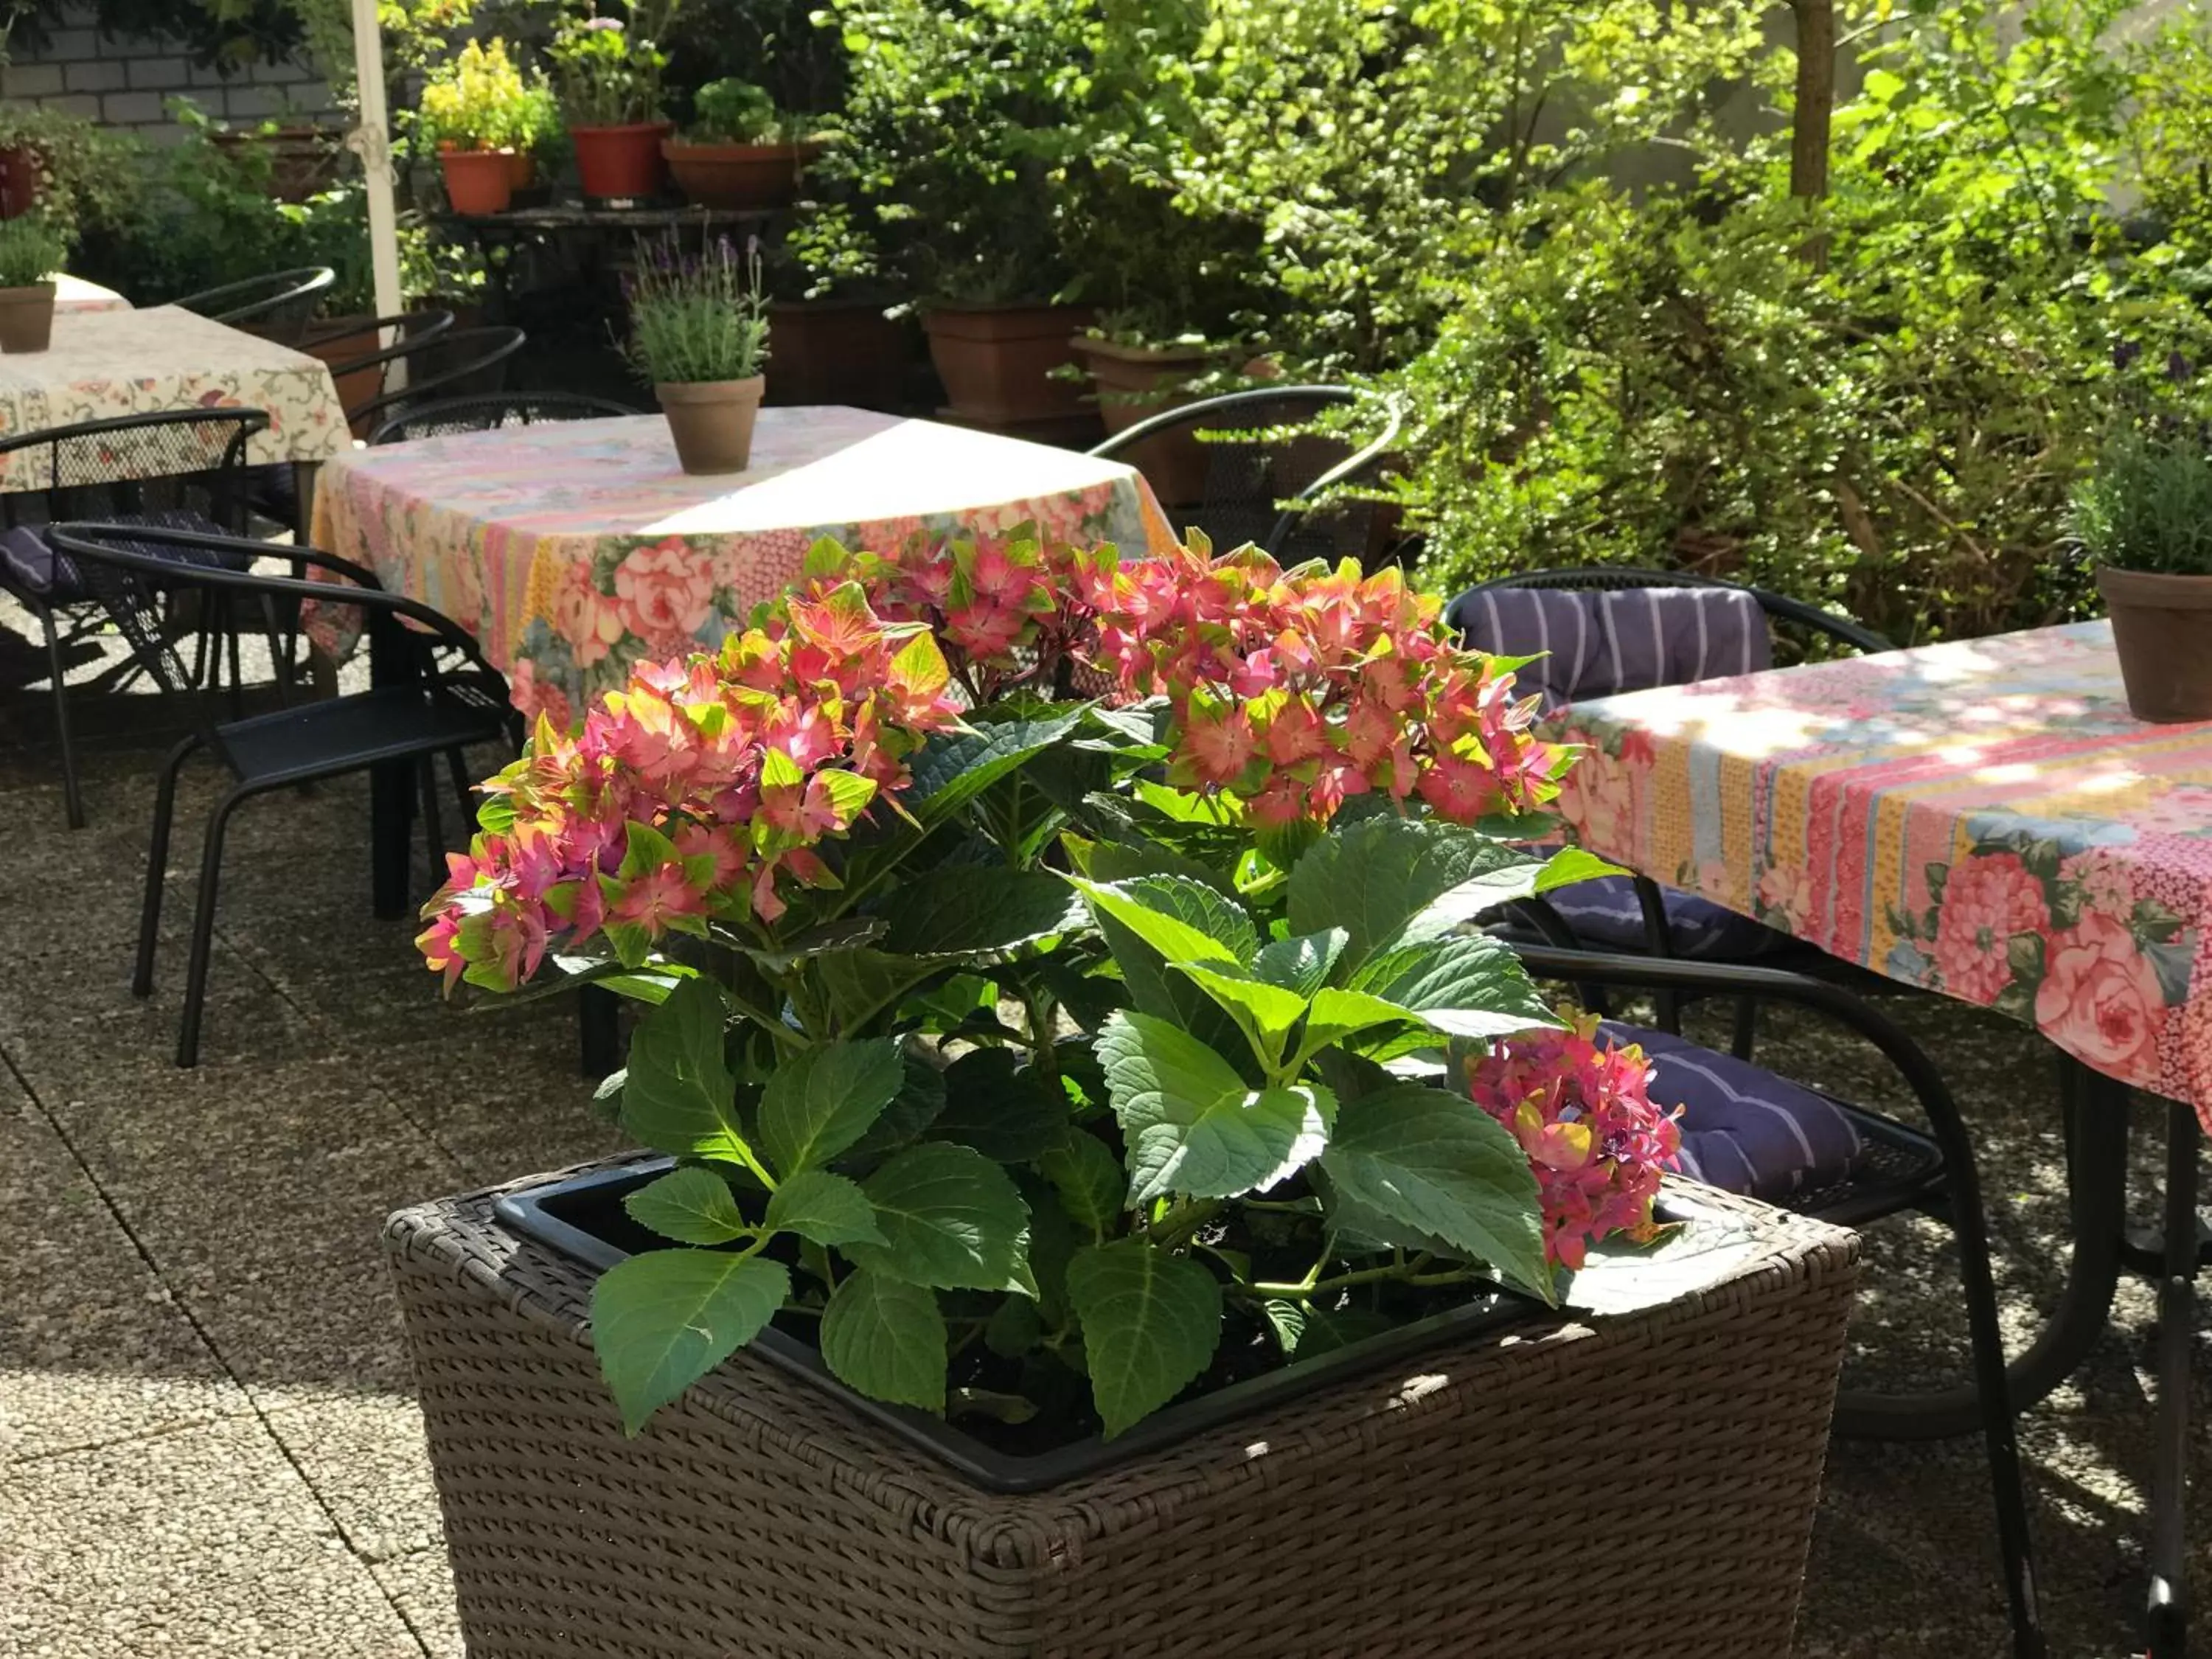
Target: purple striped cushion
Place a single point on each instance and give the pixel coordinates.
(1599, 643)
(1744, 1129)
(1604, 912)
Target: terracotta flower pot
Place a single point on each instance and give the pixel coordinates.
(19, 180)
(758, 176)
(521, 169)
(479, 181)
(840, 351)
(2162, 630)
(712, 422)
(620, 163)
(1129, 380)
(996, 361)
(26, 317)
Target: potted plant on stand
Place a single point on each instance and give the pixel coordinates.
(842, 335)
(476, 109)
(2144, 515)
(31, 253)
(740, 151)
(951, 151)
(608, 71)
(1086, 1135)
(699, 338)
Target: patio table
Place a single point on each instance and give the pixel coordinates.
(103, 365)
(573, 549)
(1983, 819)
(73, 293)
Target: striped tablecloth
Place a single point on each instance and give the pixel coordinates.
(573, 548)
(1983, 818)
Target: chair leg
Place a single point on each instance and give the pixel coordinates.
(599, 1030)
(188, 1039)
(72, 798)
(237, 675)
(280, 651)
(433, 832)
(457, 763)
(1745, 1035)
(157, 861)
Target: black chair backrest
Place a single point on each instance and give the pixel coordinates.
(1791, 613)
(1265, 485)
(485, 414)
(357, 346)
(277, 304)
(128, 568)
(190, 459)
(464, 359)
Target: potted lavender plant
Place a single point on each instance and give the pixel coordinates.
(699, 338)
(30, 251)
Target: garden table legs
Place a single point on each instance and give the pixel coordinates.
(390, 786)
(2176, 1309)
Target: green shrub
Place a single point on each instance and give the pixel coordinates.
(1882, 402)
(734, 112)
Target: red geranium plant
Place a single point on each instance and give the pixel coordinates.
(1040, 1052)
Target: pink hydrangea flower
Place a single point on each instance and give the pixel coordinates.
(1583, 1114)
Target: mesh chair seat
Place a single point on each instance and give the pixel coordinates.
(488, 412)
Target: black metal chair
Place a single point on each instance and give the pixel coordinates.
(434, 711)
(471, 361)
(188, 473)
(487, 413)
(1262, 483)
(1638, 913)
(1905, 1170)
(278, 304)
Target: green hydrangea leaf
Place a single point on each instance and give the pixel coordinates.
(679, 1095)
(1467, 985)
(885, 1337)
(1437, 1161)
(966, 910)
(1093, 1187)
(1183, 920)
(829, 1209)
(949, 1217)
(664, 1319)
(1150, 1324)
(1302, 962)
(1011, 1114)
(819, 1102)
(1190, 1123)
(692, 1205)
(1390, 880)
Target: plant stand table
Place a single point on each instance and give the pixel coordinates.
(598, 235)
(103, 365)
(1983, 819)
(573, 550)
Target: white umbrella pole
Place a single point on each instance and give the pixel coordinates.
(372, 139)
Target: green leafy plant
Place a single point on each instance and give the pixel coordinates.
(480, 101)
(32, 249)
(2147, 504)
(733, 112)
(88, 177)
(697, 317)
(1043, 1059)
(608, 68)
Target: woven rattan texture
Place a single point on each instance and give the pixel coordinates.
(1641, 1487)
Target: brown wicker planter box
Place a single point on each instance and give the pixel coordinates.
(1636, 1485)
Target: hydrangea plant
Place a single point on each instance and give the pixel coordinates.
(1062, 993)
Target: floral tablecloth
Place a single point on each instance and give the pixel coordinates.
(104, 364)
(75, 293)
(572, 550)
(1983, 818)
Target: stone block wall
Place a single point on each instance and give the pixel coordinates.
(126, 82)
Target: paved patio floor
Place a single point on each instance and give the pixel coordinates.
(207, 1442)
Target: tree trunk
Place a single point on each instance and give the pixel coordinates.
(1816, 96)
